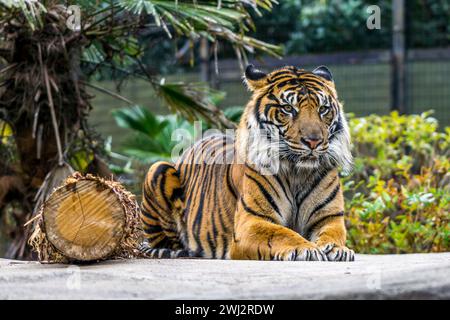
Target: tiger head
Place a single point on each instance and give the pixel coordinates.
(300, 117)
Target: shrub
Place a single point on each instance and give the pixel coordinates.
(398, 196)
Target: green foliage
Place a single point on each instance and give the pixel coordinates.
(330, 26)
(8, 148)
(151, 136)
(228, 21)
(234, 113)
(326, 26)
(117, 48)
(398, 197)
(428, 23)
(31, 10)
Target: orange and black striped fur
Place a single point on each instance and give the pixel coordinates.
(279, 198)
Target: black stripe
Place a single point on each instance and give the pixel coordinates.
(281, 74)
(330, 183)
(256, 111)
(188, 168)
(293, 88)
(148, 215)
(204, 189)
(321, 220)
(229, 183)
(151, 236)
(162, 189)
(251, 211)
(198, 218)
(259, 253)
(265, 194)
(225, 246)
(160, 170)
(325, 202)
(211, 245)
(222, 203)
(265, 179)
(315, 84)
(311, 188)
(153, 228)
(177, 193)
(267, 108)
(282, 79)
(338, 127)
(272, 97)
(293, 82)
(151, 204)
(213, 242)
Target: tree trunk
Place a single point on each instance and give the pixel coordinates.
(42, 114)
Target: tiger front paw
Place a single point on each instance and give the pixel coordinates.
(307, 252)
(338, 253)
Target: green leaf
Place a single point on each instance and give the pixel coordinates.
(138, 119)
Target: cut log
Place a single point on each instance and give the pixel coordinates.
(84, 220)
(87, 219)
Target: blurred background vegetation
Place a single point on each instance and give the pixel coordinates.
(138, 69)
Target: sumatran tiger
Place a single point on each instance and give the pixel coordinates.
(271, 192)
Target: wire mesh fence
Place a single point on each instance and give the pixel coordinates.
(428, 84)
(363, 80)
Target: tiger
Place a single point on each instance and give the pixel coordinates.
(277, 195)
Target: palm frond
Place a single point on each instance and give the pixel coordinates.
(234, 113)
(139, 119)
(31, 10)
(94, 53)
(193, 101)
(216, 20)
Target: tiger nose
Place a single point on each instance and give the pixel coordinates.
(312, 141)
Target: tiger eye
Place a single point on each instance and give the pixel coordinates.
(287, 107)
(323, 109)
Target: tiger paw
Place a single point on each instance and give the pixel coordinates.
(307, 252)
(338, 253)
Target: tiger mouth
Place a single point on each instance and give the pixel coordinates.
(309, 158)
(305, 160)
(302, 157)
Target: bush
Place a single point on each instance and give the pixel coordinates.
(398, 196)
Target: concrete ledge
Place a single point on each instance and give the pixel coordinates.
(369, 277)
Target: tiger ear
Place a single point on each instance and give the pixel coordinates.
(323, 72)
(254, 78)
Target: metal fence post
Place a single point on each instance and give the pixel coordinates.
(205, 65)
(398, 71)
